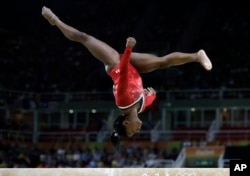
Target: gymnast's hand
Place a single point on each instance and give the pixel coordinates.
(149, 91)
(130, 42)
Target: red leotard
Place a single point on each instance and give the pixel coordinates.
(128, 88)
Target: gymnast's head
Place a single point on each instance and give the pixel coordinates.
(125, 126)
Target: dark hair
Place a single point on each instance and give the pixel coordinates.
(119, 131)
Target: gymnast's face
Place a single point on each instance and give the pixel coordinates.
(132, 124)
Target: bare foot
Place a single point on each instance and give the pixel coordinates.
(204, 60)
(130, 42)
(49, 15)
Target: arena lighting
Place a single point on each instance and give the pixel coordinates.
(71, 111)
(93, 111)
(225, 109)
(192, 109)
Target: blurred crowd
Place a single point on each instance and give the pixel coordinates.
(34, 56)
(14, 155)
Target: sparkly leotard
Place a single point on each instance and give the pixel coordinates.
(128, 87)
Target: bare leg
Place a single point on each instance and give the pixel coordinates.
(110, 57)
(103, 52)
(148, 62)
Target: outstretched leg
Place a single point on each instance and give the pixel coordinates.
(103, 52)
(110, 57)
(148, 62)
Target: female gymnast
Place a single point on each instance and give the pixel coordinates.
(124, 69)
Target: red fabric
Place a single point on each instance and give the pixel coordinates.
(148, 101)
(128, 88)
